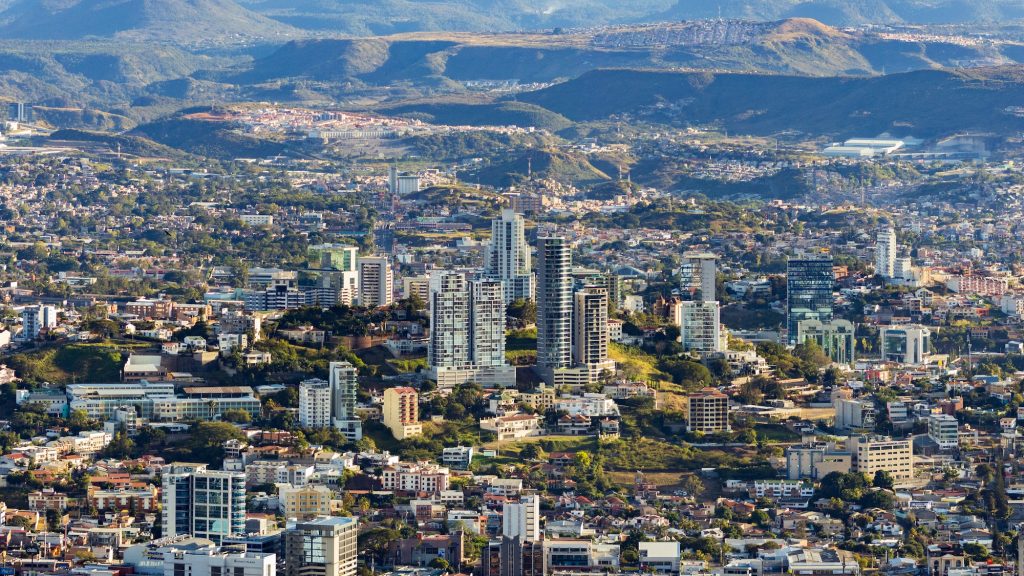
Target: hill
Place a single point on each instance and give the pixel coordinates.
(793, 46)
(490, 114)
(206, 138)
(923, 103)
(559, 165)
(175, 21)
(380, 17)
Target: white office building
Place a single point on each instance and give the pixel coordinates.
(909, 344)
(214, 561)
(944, 430)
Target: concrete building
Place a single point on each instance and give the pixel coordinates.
(554, 305)
(700, 327)
(660, 557)
(698, 276)
(321, 547)
(376, 281)
(467, 331)
(215, 561)
(837, 338)
(315, 403)
(853, 414)
(885, 253)
(36, 319)
(944, 430)
(809, 282)
(419, 477)
(204, 503)
(304, 502)
(402, 412)
(521, 519)
(590, 332)
(910, 344)
(873, 453)
(707, 411)
(344, 381)
(508, 257)
(816, 460)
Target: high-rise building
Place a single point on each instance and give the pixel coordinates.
(707, 411)
(401, 412)
(836, 338)
(204, 503)
(322, 547)
(337, 266)
(944, 430)
(344, 382)
(339, 257)
(376, 281)
(590, 331)
(554, 305)
(19, 112)
(316, 403)
(35, 319)
(521, 519)
(698, 276)
(809, 283)
(467, 331)
(508, 257)
(700, 328)
(885, 253)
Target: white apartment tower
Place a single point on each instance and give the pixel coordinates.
(508, 257)
(554, 305)
(521, 519)
(344, 383)
(376, 282)
(885, 253)
(315, 403)
(699, 326)
(467, 331)
(35, 319)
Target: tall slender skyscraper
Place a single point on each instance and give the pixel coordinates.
(554, 305)
(885, 253)
(809, 283)
(467, 331)
(698, 276)
(344, 381)
(508, 257)
(376, 282)
(590, 330)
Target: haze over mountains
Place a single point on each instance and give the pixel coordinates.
(198, 21)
